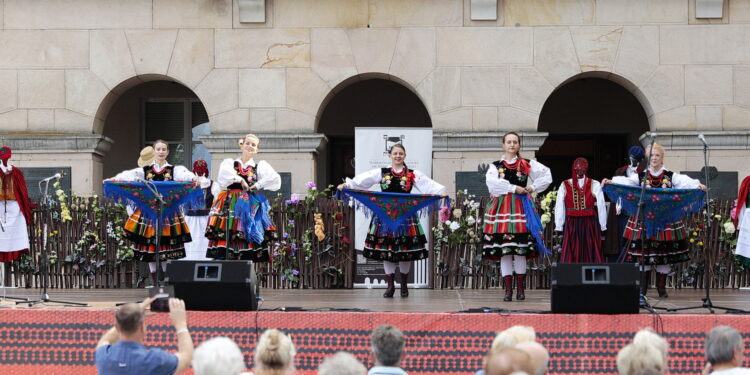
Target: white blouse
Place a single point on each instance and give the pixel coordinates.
(364, 181)
(541, 178)
(601, 206)
(268, 178)
(180, 173)
(679, 181)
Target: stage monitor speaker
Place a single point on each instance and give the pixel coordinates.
(227, 285)
(595, 288)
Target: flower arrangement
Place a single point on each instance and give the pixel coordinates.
(547, 205)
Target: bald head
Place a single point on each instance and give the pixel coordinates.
(129, 318)
(538, 354)
(507, 361)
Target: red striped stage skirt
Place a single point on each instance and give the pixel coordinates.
(239, 247)
(174, 234)
(504, 229)
(669, 246)
(582, 240)
(407, 245)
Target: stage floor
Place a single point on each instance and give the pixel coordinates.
(419, 300)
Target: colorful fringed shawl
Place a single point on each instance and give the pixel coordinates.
(661, 206)
(392, 209)
(252, 209)
(534, 224)
(177, 196)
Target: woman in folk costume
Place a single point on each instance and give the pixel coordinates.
(669, 246)
(634, 166)
(15, 210)
(741, 218)
(153, 166)
(239, 180)
(507, 237)
(409, 242)
(581, 210)
(198, 219)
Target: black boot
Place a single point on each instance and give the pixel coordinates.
(508, 281)
(520, 296)
(661, 285)
(391, 287)
(645, 280)
(404, 285)
(154, 280)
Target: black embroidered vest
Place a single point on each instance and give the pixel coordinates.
(393, 182)
(248, 174)
(511, 173)
(166, 174)
(662, 180)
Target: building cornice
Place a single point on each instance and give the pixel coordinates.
(483, 141)
(269, 142)
(45, 143)
(688, 140)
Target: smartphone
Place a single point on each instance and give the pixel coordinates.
(161, 303)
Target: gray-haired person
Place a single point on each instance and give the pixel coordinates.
(342, 363)
(724, 352)
(388, 349)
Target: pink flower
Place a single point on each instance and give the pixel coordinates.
(445, 214)
(655, 198)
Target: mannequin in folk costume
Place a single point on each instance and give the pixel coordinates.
(153, 166)
(669, 246)
(198, 219)
(238, 177)
(581, 210)
(506, 236)
(395, 250)
(634, 166)
(741, 218)
(15, 210)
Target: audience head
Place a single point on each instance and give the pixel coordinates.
(218, 356)
(512, 336)
(274, 353)
(647, 354)
(387, 345)
(130, 320)
(538, 354)
(724, 346)
(341, 363)
(507, 361)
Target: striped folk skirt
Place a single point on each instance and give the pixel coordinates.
(141, 231)
(239, 247)
(669, 246)
(504, 229)
(581, 240)
(408, 243)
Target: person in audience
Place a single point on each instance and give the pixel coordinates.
(218, 356)
(341, 363)
(539, 356)
(388, 350)
(512, 336)
(507, 361)
(724, 352)
(274, 354)
(121, 349)
(646, 355)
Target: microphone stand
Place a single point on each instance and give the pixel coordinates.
(46, 205)
(707, 304)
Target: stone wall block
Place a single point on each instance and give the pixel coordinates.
(708, 117)
(735, 118)
(305, 91)
(543, 12)
(485, 86)
(234, 121)
(638, 54)
(110, 57)
(483, 46)
(219, 91)
(485, 118)
(14, 121)
(399, 13)
(262, 88)
(151, 49)
(73, 122)
(509, 118)
(447, 89)
(41, 120)
(708, 84)
(84, 91)
(331, 55)
(33, 49)
(414, 57)
(682, 118)
(596, 46)
(41, 89)
(459, 119)
(554, 54)
(373, 49)
(289, 121)
(192, 57)
(739, 12)
(666, 88)
(263, 48)
(704, 44)
(175, 14)
(528, 89)
(8, 90)
(263, 120)
(320, 13)
(741, 76)
(77, 14)
(617, 12)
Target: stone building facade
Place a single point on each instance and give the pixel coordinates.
(65, 65)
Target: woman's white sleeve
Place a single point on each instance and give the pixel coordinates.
(541, 176)
(130, 175)
(427, 185)
(560, 208)
(601, 204)
(681, 181)
(268, 178)
(183, 174)
(364, 181)
(497, 186)
(622, 180)
(227, 174)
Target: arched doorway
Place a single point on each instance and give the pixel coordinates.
(147, 111)
(595, 118)
(373, 102)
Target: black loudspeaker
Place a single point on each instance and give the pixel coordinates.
(227, 285)
(595, 288)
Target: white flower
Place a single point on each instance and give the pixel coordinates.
(729, 227)
(546, 218)
(466, 191)
(448, 223)
(457, 213)
(717, 216)
(454, 226)
(470, 220)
